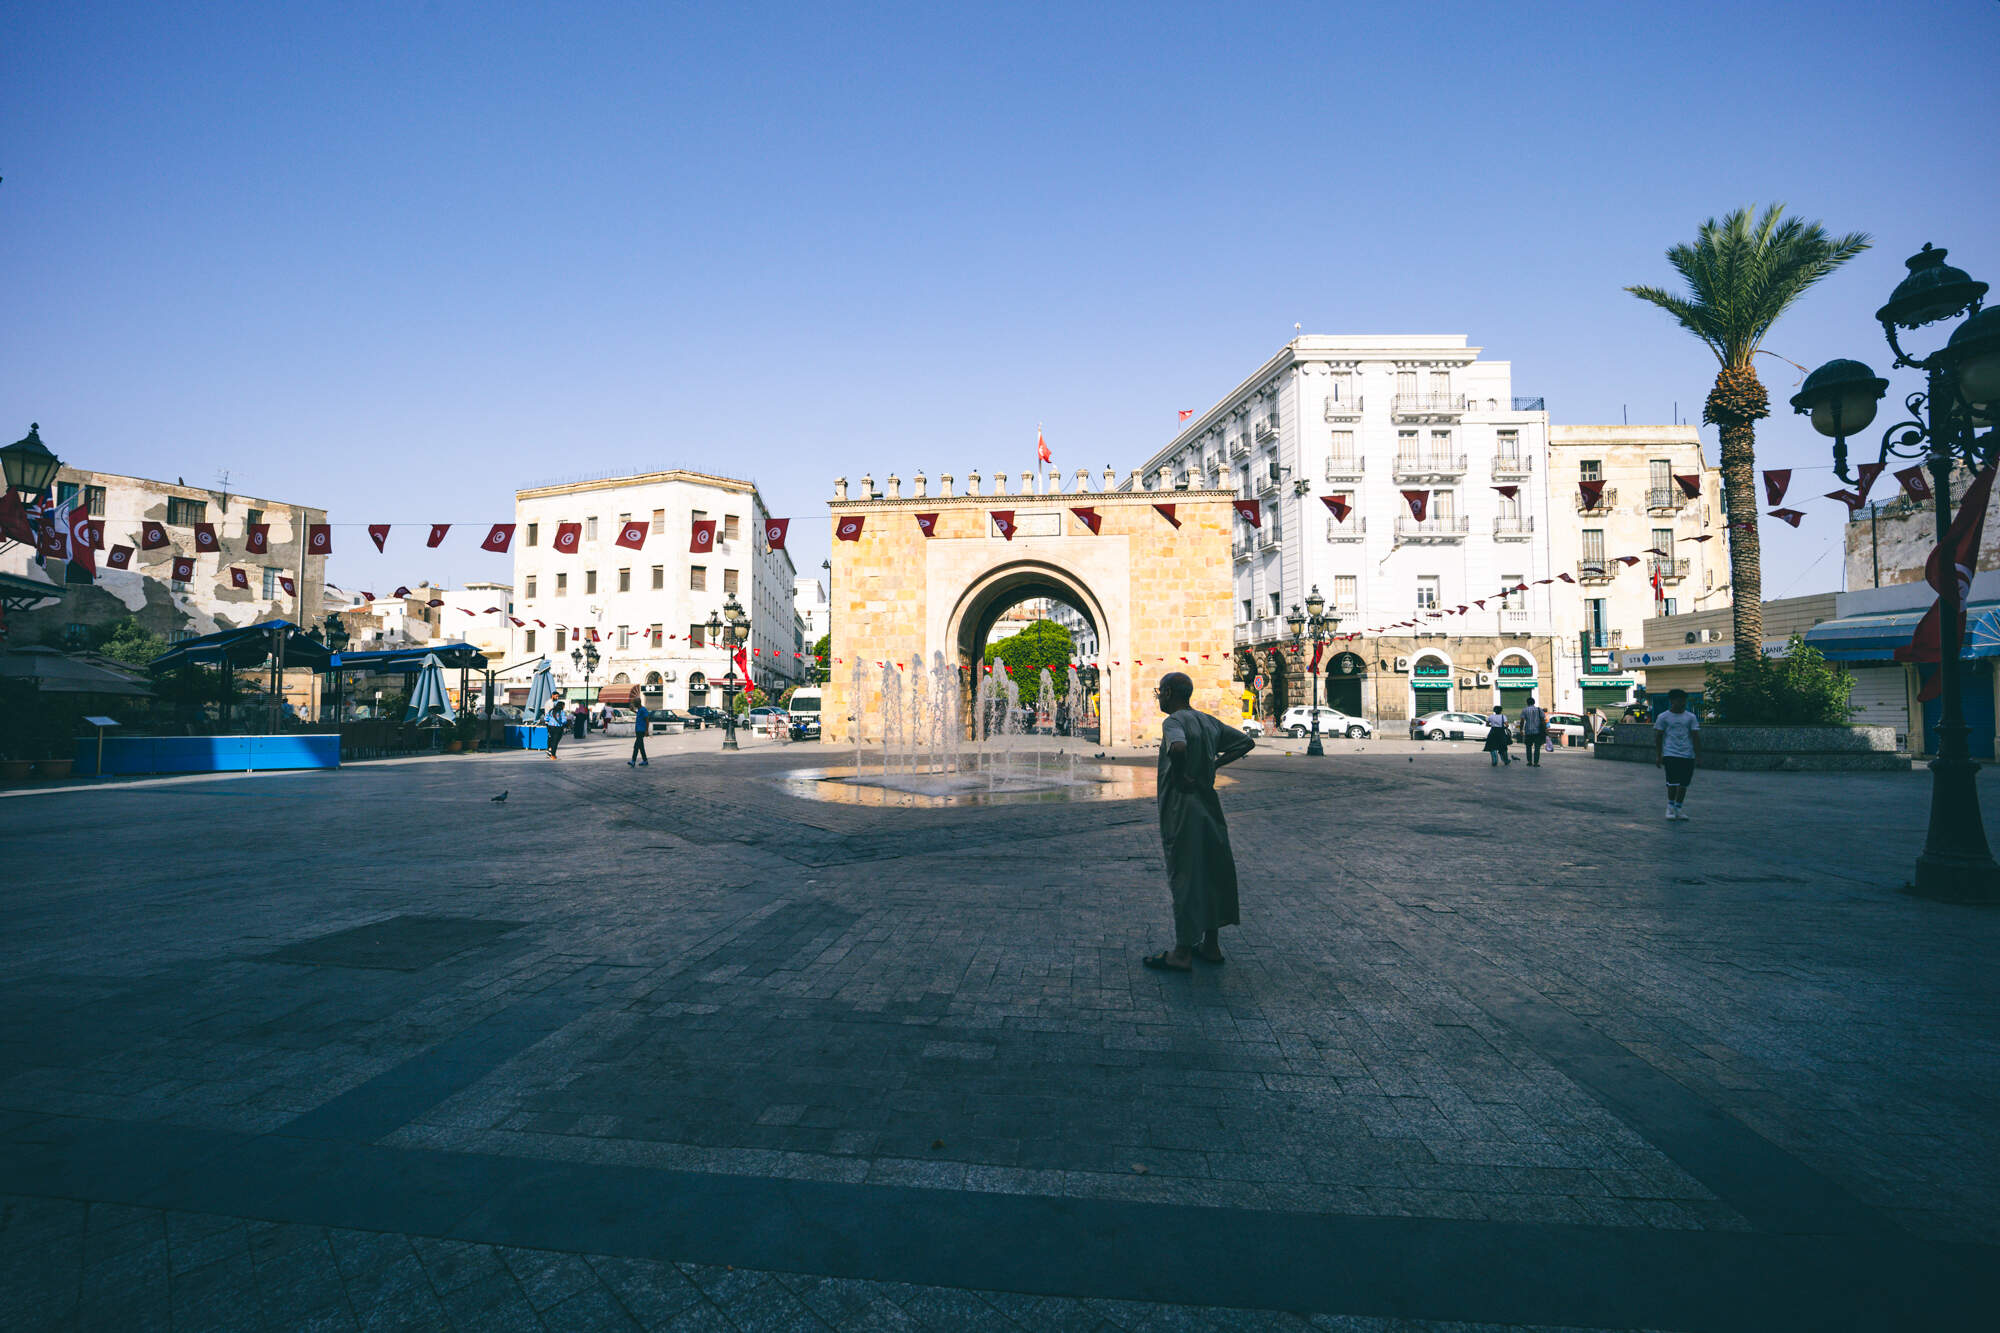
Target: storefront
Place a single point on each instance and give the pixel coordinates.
(1430, 685)
(1344, 673)
(1885, 690)
(1608, 694)
(1515, 675)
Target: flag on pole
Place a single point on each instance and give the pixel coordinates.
(1186, 412)
(1042, 447)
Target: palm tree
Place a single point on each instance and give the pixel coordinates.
(1741, 276)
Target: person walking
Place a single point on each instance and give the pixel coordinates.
(1676, 742)
(558, 719)
(1201, 868)
(1497, 739)
(642, 722)
(1534, 731)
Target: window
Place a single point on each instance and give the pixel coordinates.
(729, 581)
(697, 636)
(729, 527)
(93, 503)
(1509, 446)
(271, 581)
(529, 645)
(186, 513)
(697, 578)
(1440, 383)
(1343, 446)
(1441, 445)
(624, 637)
(1593, 614)
(699, 515)
(659, 520)
(1593, 546)
(65, 493)
(1344, 593)
(534, 531)
(1427, 592)
(589, 582)
(562, 635)
(590, 529)
(562, 585)
(659, 576)
(1663, 540)
(1510, 506)
(1343, 387)
(624, 580)
(623, 519)
(1406, 444)
(531, 588)
(1444, 506)
(1591, 469)
(1406, 384)
(1667, 606)
(1274, 604)
(1661, 472)
(1513, 599)
(1246, 608)
(656, 635)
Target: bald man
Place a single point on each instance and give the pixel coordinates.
(1201, 869)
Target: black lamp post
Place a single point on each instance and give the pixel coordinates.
(1313, 626)
(731, 629)
(1961, 395)
(30, 467)
(585, 659)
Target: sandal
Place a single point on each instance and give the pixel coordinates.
(1207, 957)
(1164, 961)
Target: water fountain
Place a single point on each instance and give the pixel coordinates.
(936, 751)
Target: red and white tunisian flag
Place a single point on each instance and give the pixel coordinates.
(775, 530)
(633, 534)
(1915, 483)
(499, 538)
(1961, 543)
(285, 582)
(80, 547)
(1167, 512)
(204, 537)
(1420, 503)
(319, 539)
(1042, 448)
(120, 558)
(257, 538)
(703, 539)
(1339, 505)
(152, 535)
(237, 578)
(184, 569)
(1690, 484)
(1592, 492)
(927, 524)
(1003, 519)
(1252, 511)
(438, 530)
(379, 534)
(743, 665)
(568, 537)
(849, 529)
(1089, 517)
(1776, 479)
(15, 525)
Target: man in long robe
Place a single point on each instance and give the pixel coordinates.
(1201, 869)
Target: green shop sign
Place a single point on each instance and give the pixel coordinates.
(1517, 669)
(1431, 669)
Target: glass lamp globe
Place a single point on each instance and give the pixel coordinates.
(1975, 352)
(1840, 397)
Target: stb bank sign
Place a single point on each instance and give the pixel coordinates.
(1697, 655)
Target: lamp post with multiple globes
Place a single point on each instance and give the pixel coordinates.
(1946, 418)
(1313, 626)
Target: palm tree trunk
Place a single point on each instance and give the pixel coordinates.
(1746, 569)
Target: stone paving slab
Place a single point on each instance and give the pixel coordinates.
(1498, 998)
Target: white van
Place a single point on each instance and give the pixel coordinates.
(805, 699)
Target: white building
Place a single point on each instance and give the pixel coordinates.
(1081, 632)
(647, 606)
(815, 613)
(1361, 420)
(480, 614)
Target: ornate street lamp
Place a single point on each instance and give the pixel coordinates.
(730, 629)
(30, 467)
(585, 659)
(1961, 394)
(1313, 626)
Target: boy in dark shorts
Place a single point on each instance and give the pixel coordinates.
(1676, 742)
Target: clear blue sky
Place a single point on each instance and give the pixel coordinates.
(398, 260)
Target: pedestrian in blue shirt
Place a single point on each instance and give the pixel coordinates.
(642, 722)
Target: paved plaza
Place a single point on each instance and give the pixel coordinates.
(675, 1049)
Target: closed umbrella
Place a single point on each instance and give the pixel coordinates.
(429, 706)
(541, 688)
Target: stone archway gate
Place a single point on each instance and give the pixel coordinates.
(1155, 592)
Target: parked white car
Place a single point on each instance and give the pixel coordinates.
(1250, 726)
(1448, 727)
(1332, 722)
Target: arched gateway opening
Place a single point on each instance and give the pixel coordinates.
(1147, 573)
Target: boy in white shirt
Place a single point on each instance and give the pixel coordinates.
(1676, 742)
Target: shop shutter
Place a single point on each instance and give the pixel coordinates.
(1881, 699)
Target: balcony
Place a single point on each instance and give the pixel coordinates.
(1672, 569)
(1343, 409)
(1344, 468)
(1267, 427)
(1410, 467)
(1268, 539)
(1665, 499)
(1269, 479)
(1240, 447)
(1595, 571)
(1244, 549)
(1429, 406)
(1528, 404)
(1353, 530)
(1606, 500)
(1432, 529)
(1513, 465)
(1519, 528)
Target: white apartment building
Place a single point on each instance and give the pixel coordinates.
(1081, 632)
(1361, 420)
(814, 612)
(1640, 508)
(479, 614)
(649, 606)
